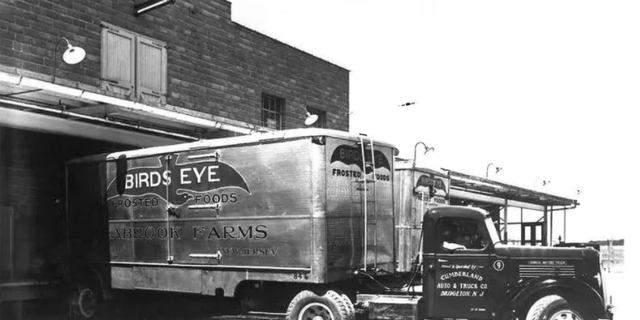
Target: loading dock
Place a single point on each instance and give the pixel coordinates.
(497, 197)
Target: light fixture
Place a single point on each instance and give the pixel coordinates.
(73, 55)
(415, 151)
(311, 118)
(498, 169)
(141, 8)
(406, 104)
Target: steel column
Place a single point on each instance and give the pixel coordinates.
(506, 222)
(544, 227)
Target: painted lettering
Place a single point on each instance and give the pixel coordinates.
(174, 232)
(184, 176)
(199, 174)
(212, 173)
(162, 233)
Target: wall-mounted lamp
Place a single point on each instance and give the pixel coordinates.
(545, 182)
(415, 151)
(146, 6)
(311, 118)
(498, 169)
(73, 55)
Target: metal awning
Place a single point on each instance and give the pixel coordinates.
(29, 94)
(465, 186)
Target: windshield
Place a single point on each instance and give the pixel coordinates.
(493, 232)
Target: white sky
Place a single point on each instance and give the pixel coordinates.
(545, 89)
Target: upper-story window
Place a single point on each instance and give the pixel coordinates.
(272, 112)
(133, 66)
(322, 117)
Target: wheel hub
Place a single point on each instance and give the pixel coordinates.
(315, 311)
(565, 315)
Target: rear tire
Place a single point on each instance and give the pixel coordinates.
(307, 305)
(555, 307)
(85, 302)
(351, 310)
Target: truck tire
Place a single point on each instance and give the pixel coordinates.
(307, 305)
(351, 310)
(554, 307)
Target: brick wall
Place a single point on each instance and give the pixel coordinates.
(32, 185)
(214, 64)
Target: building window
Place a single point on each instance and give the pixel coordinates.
(133, 66)
(272, 112)
(322, 118)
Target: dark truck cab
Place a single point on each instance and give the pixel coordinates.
(468, 273)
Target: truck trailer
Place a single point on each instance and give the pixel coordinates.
(306, 218)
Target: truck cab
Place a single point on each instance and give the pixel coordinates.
(468, 273)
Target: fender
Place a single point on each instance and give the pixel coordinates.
(542, 286)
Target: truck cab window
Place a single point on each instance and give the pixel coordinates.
(460, 234)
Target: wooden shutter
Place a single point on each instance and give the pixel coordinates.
(151, 68)
(118, 61)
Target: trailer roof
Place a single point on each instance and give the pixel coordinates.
(258, 138)
(473, 185)
(405, 165)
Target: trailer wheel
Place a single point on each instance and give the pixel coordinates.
(84, 302)
(554, 308)
(307, 305)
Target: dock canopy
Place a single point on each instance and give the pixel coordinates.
(478, 189)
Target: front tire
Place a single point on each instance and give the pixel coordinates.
(554, 307)
(308, 305)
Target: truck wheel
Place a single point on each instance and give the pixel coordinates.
(554, 308)
(307, 305)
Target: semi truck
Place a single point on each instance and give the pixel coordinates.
(309, 219)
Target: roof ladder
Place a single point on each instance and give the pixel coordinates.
(367, 146)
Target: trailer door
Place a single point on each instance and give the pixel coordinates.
(195, 206)
(136, 199)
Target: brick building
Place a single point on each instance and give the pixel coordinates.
(179, 72)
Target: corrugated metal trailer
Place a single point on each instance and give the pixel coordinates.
(298, 206)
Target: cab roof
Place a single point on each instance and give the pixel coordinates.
(457, 211)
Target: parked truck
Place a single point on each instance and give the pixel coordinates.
(306, 218)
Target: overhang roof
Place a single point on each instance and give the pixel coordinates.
(85, 104)
(483, 188)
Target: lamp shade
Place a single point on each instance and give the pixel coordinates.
(311, 119)
(73, 55)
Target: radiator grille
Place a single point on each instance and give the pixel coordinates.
(534, 271)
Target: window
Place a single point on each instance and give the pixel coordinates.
(461, 233)
(322, 118)
(272, 112)
(133, 66)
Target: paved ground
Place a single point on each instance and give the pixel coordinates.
(180, 307)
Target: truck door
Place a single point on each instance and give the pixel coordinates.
(459, 281)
